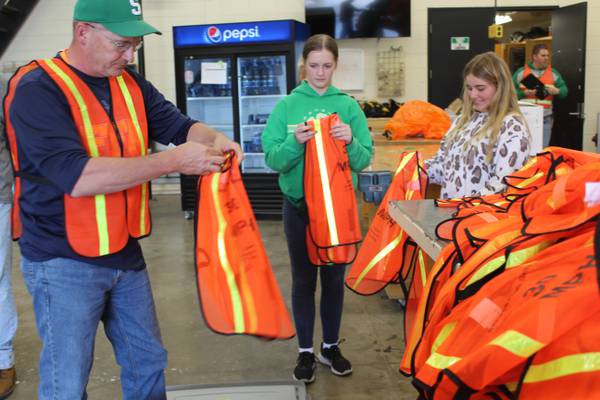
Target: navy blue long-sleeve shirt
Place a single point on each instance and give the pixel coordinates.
(50, 148)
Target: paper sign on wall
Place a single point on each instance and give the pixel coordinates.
(214, 73)
(350, 71)
(460, 43)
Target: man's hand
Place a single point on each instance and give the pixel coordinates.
(223, 143)
(193, 158)
(529, 92)
(553, 90)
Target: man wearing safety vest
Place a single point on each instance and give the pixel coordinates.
(554, 86)
(79, 126)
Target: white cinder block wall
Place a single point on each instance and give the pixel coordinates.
(48, 29)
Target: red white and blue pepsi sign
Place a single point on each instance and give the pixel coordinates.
(239, 33)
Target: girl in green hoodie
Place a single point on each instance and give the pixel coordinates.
(283, 141)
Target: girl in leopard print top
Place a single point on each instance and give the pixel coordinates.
(489, 140)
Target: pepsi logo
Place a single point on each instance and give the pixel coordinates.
(214, 34)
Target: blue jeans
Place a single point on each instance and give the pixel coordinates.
(70, 298)
(8, 312)
(304, 283)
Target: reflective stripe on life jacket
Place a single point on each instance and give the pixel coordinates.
(102, 224)
(329, 194)
(547, 78)
(237, 289)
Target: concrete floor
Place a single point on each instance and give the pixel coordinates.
(371, 327)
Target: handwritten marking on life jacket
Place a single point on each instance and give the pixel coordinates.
(203, 258)
(343, 165)
(383, 214)
(240, 225)
(232, 205)
(541, 287)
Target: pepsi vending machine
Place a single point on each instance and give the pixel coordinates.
(230, 76)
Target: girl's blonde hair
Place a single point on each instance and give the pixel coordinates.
(316, 43)
(492, 69)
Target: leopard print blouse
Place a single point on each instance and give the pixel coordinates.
(468, 173)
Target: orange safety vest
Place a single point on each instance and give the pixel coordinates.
(237, 289)
(382, 257)
(568, 368)
(333, 229)
(12, 146)
(101, 224)
(547, 78)
(487, 340)
(471, 242)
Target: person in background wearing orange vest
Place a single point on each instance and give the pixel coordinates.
(82, 122)
(488, 140)
(284, 140)
(553, 82)
(8, 311)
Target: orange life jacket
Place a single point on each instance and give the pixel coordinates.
(382, 257)
(547, 78)
(237, 289)
(333, 225)
(101, 224)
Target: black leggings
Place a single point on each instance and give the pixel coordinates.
(304, 283)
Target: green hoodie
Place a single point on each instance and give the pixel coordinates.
(286, 156)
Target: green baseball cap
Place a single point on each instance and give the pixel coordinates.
(123, 17)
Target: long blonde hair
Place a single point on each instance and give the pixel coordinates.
(492, 69)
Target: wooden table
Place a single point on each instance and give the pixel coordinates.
(419, 218)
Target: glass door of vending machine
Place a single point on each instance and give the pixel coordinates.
(262, 82)
(208, 92)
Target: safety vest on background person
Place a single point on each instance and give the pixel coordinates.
(333, 229)
(236, 285)
(547, 79)
(101, 224)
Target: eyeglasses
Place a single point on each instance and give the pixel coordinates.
(120, 45)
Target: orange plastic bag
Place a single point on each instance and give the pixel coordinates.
(418, 118)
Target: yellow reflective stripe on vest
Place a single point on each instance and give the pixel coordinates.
(99, 199)
(143, 145)
(517, 258)
(527, 181)
(517, 343)
(442, 336)
(234, 293)
(405, 161)
(333, 234)
(378, 257)
(440, 361)
(567, 365)
(488, 268)
(422, 267)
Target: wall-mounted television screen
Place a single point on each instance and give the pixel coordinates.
(345, 19)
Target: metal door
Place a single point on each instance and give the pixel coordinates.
(568, 57)
(445, 65)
